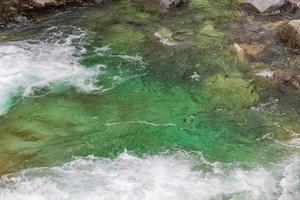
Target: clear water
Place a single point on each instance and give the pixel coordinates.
(125, 102)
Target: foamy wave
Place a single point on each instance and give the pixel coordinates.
(154, 178)
(291, 180)
(26, 65)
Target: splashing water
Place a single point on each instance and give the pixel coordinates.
(156, 177)
(34, 64)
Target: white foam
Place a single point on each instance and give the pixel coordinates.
(154, 178)
(265, 73)
(195, 77)
(139, 122)
(163, 40)
(291, 181)
(131, 58)
(25, 65)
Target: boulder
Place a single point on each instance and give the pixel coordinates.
(295, 3)
(43, 3)
(289, 33)
(265, 5)
(169, 4)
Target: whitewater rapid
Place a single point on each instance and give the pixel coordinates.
(26, 66)
(157, 177)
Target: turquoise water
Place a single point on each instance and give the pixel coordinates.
(125, 102)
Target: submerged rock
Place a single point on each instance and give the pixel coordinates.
(286, 79)
(244, 51)
(239, 52)
(265, 5)
(229, 92)
(122, 36)
(161, 6)
(23, 20)
(253, 49)
(98, 1)
(290, 33)
(210, 30)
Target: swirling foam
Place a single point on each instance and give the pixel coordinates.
(27, 65)
(154, 178)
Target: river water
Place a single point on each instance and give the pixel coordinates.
(123, 102)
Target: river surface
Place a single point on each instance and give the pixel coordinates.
(124, 102)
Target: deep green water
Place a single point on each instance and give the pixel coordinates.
(146, 96)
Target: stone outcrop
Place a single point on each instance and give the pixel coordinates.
(290, 33)
(265, 5)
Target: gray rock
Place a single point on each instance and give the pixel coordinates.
(43, 3)
(295, 3)
(168, 4)
(265, 5)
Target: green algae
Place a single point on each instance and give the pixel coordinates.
(166, 36)
(230, 91)
(216, 8)
(120, 34)
(210, 30)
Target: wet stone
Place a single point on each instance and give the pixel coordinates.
(265, 5)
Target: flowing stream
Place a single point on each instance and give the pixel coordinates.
(123, 102)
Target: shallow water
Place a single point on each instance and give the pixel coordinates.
(125, 102)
